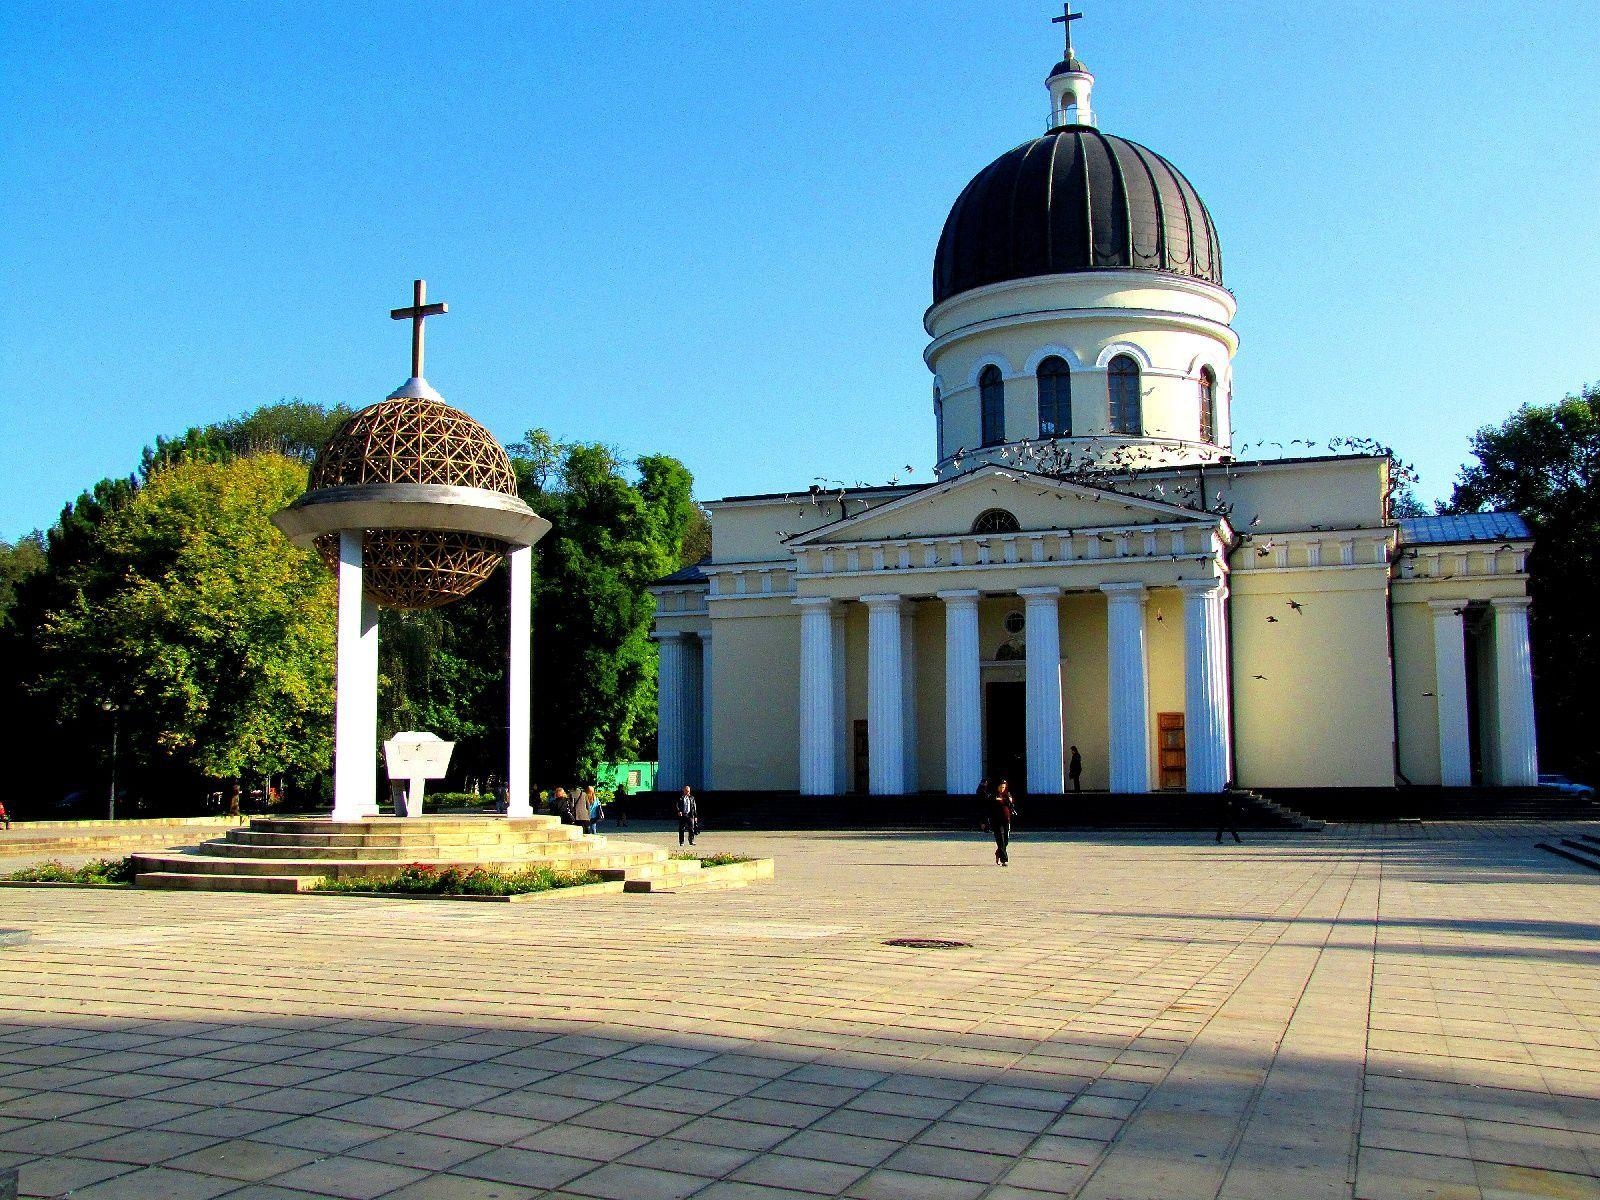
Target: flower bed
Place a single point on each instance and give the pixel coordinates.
(419, 879)
(104, 872)
(712, 860)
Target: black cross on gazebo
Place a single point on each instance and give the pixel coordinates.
(419, 312)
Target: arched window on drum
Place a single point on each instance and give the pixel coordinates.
(1126, 403)
(1055, 398)
(1208, 405)
(992, 400)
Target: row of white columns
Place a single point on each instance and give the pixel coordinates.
(1516, 760)
(891, 691)
(683, 711)
(355, 739)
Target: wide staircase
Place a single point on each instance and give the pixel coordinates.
(296, 854)
(1379, 805)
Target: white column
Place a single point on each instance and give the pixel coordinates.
(672, 714)
(886, 762)
(908, 698)
(963, 694)
(1129, 688)
(1513, 659)
(816, 696)
(1450, 691)
(1042, 637)
(355, 738)
(519, 683)
(705, 712)
(1204, 696)
(693, 690)
(841, 706)
(1222, 666)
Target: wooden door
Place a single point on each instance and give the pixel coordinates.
(1173, 756)
(863, 777)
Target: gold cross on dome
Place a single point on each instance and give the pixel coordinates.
(1066, 19)
(419, 312)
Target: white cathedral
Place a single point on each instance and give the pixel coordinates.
(1094, 568)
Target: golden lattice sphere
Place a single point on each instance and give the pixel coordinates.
(416, 440)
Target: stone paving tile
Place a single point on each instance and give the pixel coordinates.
(1365, 1012)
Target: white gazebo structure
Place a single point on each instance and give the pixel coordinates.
(414, 504)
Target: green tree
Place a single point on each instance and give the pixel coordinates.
(1543, 461)
(197, 623)
(594, 663)
(18, 562)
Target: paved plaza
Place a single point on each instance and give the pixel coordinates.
(1382, 1013)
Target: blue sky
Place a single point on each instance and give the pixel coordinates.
(707, 228)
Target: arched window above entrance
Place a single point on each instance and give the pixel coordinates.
(996, 520)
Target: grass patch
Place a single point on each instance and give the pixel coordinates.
(422, 880)
(106, 872)
(712, 860)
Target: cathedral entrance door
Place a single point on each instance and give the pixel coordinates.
(1005, 729)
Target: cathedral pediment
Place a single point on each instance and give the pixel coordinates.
(990, 499)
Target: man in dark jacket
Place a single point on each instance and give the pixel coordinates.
(688, 815)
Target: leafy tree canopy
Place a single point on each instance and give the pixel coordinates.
(206, 631)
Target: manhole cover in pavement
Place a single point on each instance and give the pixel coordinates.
(928, 944)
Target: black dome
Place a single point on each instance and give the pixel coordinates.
(1075, 200)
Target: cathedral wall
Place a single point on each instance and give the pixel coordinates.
(1085, 684)
(1334, 493)
(755, 713)
(1415, 677)
(754, 530)
(930, 695)
(1322, 716)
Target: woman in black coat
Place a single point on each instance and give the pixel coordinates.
(1002, 811)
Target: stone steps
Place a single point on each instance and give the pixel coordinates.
(277, 854)
(178, 881)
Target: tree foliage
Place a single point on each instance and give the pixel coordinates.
(595, 667)
(18, 562)
(201, 627)
(1544, 462)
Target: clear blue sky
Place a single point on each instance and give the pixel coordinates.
(707, 228)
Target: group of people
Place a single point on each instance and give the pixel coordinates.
(583, 807)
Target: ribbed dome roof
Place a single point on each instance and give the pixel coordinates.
(1075, 200)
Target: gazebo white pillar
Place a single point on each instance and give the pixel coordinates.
(1519, 747)
(1042, 689)
(1204, 686)
(519, 684)
(1450, 691)
(963, 696)
(886, 763)
(816, 696)
(1129, 687)
(355, 736)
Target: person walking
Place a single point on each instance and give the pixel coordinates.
(985, 797)
(1002, 811)
(597, 809)
(1227, 816)
(688, 815)
(5, 817)
(233, 803)
(560, 806)
(619, 805)
(1075, 770)
(583, 810)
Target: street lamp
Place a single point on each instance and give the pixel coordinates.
(111, 800)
